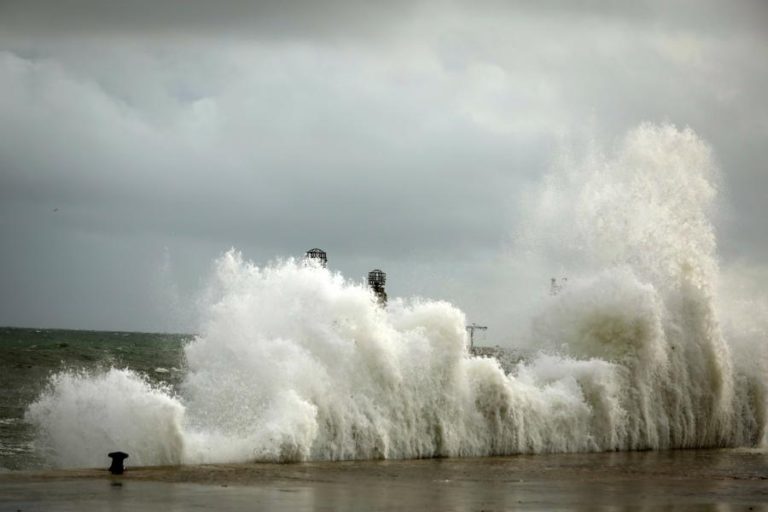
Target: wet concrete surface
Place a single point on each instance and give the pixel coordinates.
(717, 480)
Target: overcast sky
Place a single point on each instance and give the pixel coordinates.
(140, 140)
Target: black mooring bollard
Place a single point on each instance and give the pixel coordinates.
(117, 462)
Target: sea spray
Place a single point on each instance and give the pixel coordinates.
(294, 362)
(645, 210)
(82, 417)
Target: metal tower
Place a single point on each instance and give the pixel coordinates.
(317, 255)
(376, 280)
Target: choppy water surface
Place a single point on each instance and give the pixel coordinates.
(30, 357)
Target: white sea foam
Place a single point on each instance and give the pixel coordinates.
(295, 363)
(82, 417)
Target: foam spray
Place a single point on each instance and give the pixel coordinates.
(293, 362)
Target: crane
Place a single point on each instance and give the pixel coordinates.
(471, 329)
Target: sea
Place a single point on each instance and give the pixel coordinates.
(29, 358)
(34, 477)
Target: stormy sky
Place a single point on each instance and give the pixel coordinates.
(140, 140)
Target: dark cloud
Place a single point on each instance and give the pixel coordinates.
(344, 18)
(393, 135)
(227, 18)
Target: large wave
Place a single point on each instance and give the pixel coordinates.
(296, 363)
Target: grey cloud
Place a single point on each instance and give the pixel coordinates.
(343, 18)
(242, 18)
(409, 152)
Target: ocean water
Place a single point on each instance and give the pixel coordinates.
(29, 358)
(293, 362)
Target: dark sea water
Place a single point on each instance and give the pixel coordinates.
(28, 358)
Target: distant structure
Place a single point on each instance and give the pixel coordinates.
(471, 329)
(376, 280)
(317, 255)
(555, 288)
